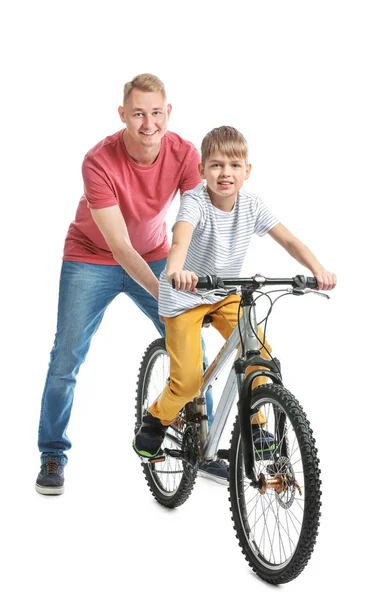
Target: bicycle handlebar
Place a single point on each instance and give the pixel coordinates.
(212, 282)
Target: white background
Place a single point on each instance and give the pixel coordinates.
(304, 82)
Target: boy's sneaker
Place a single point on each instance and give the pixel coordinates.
(149, 438)
(50, 480)
(264, 442)
(217, 470)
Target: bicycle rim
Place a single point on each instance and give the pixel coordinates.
(168, 480)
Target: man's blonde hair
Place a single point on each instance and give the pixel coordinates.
(226, 140)
(146, 83)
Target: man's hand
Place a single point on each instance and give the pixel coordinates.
(184, 281)
(325, 279)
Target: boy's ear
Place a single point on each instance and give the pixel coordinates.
(201, 170)
(248, 171)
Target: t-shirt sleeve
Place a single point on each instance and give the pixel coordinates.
(191, 210)
(265, 220)
(97, 186)
(190, 177)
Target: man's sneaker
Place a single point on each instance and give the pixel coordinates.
(217, 470)
(149, 438)
(50, 480)
(264, 442)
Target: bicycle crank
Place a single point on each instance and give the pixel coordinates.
(189, 453)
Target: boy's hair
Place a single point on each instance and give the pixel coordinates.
(226, 140)
(146, 83)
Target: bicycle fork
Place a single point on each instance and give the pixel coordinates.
(270, 370)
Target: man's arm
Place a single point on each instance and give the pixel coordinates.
(182, 235)
(113, 228)
(326, 280)
(191, 176)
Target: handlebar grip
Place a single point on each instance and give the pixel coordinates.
(300, 282)
(206, 283)
(173, 284)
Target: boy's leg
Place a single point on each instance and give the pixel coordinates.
(186, 359)
(84, 293)
(149, 307)
(185, 352)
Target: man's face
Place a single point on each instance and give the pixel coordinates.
(224, 176)
(146, 116)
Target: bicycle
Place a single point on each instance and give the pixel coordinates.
(274, 475)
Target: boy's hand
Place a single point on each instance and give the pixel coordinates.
(325, 279)
(184, 281)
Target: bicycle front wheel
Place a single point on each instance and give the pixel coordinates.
(277, 523)
(171, 481)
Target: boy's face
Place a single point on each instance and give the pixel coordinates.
(224, 176)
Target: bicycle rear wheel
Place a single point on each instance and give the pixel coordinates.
(277, 524)
(171, 481)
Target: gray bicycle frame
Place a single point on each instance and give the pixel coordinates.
(210, 438)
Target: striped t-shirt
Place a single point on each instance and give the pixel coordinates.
(219, 243)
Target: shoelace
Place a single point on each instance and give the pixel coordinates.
(52, 467)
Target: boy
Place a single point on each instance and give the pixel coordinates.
(211, 236)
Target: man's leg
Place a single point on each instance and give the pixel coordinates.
(209, 393)
(145, 301)
(85, 292)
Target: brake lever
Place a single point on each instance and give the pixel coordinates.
(226, 292)
(215, 292)
(219, 292)
(297, 292)
(318, 293)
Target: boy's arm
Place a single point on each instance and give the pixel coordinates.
(326, 280)
(182, 235)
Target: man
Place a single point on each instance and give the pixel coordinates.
(117, 243)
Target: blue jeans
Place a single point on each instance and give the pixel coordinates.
(85, 292)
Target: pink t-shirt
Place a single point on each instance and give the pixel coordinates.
(143, 194)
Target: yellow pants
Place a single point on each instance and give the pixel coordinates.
(183, 343)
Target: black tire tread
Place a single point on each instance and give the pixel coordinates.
(309, 531)
(186, 485)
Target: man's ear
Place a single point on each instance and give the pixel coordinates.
(121, 113)
(201, 170)
(169, 110)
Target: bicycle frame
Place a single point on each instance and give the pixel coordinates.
(235, 382)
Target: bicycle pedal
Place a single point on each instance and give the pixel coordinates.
(158, 459)
(146, 460)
